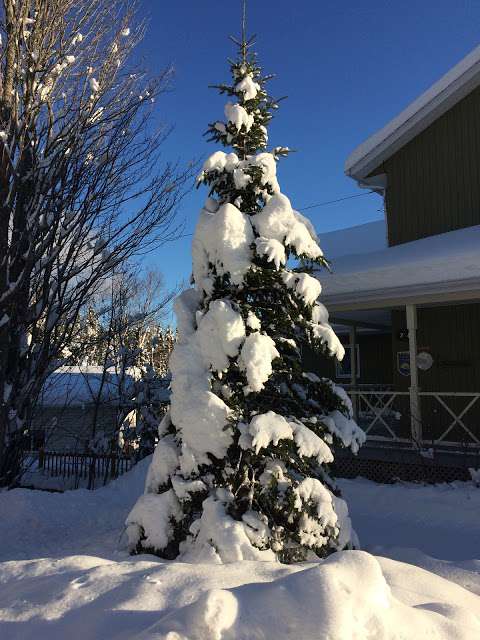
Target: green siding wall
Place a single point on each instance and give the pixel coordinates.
(433, 182)
(375, 363)
(452, 336)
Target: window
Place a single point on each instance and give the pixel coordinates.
(344, 369)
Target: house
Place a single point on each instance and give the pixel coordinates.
(404, 294)
(78, 405)
(83, 407)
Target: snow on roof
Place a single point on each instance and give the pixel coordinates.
(449, 262)
(75, 386)
(444, 94)
(363, 238)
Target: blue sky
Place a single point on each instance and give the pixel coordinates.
(347, 69)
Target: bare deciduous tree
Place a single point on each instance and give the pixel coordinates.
(80, 187)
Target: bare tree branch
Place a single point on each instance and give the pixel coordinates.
(82, 188)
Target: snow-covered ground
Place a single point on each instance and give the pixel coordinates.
(64, 573)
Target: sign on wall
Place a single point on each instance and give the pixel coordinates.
(403, 363)
(424, 361)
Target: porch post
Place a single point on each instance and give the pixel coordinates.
(415, 410)
(353, 369)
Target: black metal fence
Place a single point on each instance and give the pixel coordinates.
(90, 467)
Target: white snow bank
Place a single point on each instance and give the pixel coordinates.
(346, 597)
(440, 520)
(48, 589)
(428, 518)
(350, 596)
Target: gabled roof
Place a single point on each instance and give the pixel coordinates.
(444, 94)
(76, 386)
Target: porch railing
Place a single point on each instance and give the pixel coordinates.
(447, 418)
(456, 414)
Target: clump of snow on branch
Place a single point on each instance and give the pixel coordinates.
(279, 221)
(238, 116)
(153, 516)
(313, 493)
(272, 249)
(322, 330)
(305, 286)
(164, 464)
(223, 239)
(241, 170)
(220, 161)
(220, 333)
(217, 538)
(346, 429)
(248, 87)
(310, 445)
(256, 358)
(269, 428)
(199, 414)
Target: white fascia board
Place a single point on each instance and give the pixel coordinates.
(433, 103)
(443, 293)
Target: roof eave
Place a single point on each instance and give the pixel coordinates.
(433, 293)
(394, 139)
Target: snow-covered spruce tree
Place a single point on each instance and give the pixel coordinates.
(241, 468)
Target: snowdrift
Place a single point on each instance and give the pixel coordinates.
(65, 575)
(350, 596)
(345, 597)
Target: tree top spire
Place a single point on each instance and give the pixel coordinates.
(244, 43)
(244, 30)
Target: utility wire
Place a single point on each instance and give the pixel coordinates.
(310, 206)
(323, 204)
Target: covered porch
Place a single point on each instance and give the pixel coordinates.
(409, 317)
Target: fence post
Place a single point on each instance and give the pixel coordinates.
(41, 458)
(415, 409)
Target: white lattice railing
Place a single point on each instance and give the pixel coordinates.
(385, 415)
(378, 412)
(457, 416)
